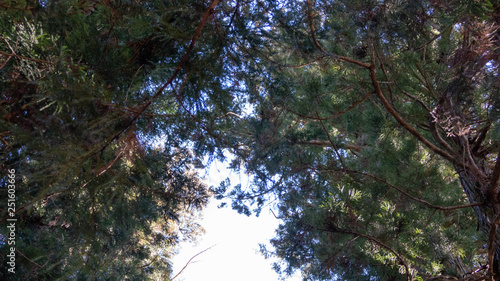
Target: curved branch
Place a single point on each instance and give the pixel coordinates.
(392, 111)
(39, 266)
(132, 110)
(189, 261)
(408, 274)
(262, 193)
(311, 26)
(26, 58)
(374, 240)
(340, 250)
(426, 80)
(472, 163)
(437, 136)
(418, 199)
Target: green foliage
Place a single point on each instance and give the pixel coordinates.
(363, 121)
(362, 195)
(98, 196)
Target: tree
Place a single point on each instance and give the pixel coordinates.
(375, 133)
(372, 126)
(99, 101)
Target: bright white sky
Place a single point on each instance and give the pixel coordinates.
(236, 237)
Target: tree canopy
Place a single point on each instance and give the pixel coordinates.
(370, 126)
(376, 135)
(106, 183)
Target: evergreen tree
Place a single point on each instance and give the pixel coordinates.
(371, 125)
(376, 135)
(99, 100)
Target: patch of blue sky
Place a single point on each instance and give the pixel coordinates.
(234, 240)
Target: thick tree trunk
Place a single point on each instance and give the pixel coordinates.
(486, 213)
(473, 190)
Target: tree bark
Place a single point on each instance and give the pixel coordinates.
(485, 213)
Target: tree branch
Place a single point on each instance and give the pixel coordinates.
(404, 192)
(437, 136)
(333, 144)
(177, 70)
(491, 246)
(39, 266)
(374, 240)
(98, 173)
(133, 110)
(471, 162)
(385, 74)
(311, 26)
(25, 58)
(340, 250)
(392, 111)
(189, 261)
(480, 138)
(426, 80)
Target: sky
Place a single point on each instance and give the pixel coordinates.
(234, 239)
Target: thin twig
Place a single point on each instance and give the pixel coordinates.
(133, 110)
(40, 266)
(426, 80)
(385, 74)
(331, 141)
(374, 240)
(25, 58)
(429, 220)
(340, 250)
(189, 261)
(8, 44)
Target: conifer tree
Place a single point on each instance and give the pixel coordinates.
(99, 99)
(371, 125)
(376, 135)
